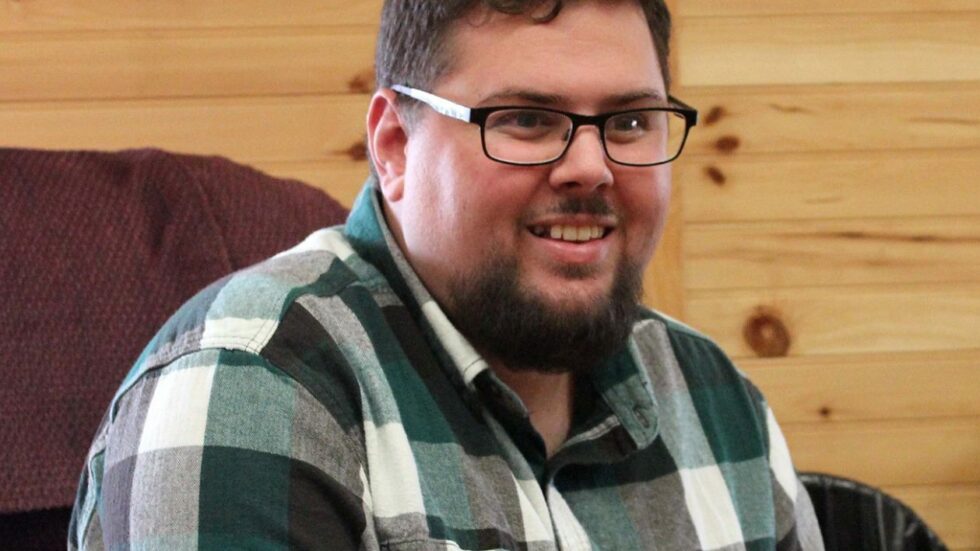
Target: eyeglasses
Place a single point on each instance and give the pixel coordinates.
(527, 136)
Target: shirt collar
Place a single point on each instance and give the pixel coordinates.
(622, 381)
(370, 236)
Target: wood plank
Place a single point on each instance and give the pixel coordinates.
(816, 49)
(804, 186)
(866, 387)
(950, 510)
(839, 320)
(99, 15)
(835, 118)
(725, 8)
(890, 453)
(713, 8)
(206, 63)
(832, 252)
(250, 130)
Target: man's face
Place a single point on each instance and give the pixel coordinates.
(460, 213)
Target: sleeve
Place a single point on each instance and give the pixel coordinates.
(221, 450)
(796, 522)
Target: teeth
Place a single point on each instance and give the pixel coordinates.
(569, 233)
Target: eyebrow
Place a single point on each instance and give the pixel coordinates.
(637, 95)
(539, 98)
(525, 95)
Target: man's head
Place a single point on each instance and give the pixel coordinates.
(539, 266)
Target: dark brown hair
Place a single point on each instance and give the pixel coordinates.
(413, 38)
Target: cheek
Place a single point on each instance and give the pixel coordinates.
(649, 210)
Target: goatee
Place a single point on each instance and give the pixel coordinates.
(526, 331)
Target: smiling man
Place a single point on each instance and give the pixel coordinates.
(465, 364)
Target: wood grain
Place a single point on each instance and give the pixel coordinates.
(249, 130)
(812, 119)
(817, 49)
(883, 453)
(20, 16)
(724, 8)
(832, 252)
(863, 387)
(845, 319)
(199, 64)
(804, 186)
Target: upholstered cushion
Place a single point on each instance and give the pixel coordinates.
(96, 251)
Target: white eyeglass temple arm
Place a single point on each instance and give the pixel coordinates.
(440, 105)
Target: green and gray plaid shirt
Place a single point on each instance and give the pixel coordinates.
(322, 400)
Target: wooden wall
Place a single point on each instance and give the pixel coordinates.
(829, 231)
(826, 226)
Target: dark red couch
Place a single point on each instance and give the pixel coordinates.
(96, 251)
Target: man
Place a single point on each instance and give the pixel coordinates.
(464, 365)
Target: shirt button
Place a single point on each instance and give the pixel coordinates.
(641, 416)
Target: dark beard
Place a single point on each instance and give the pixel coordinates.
(526, 332)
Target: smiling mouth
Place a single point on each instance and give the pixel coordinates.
(570, 233)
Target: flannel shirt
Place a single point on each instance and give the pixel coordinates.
(322, 400)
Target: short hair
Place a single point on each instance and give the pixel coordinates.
(413, 37)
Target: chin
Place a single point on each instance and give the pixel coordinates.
(573, 281)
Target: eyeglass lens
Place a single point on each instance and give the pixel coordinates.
(530, 136)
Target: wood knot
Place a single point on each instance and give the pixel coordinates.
(716, 175)
(358, 151)
(362, 83)
(766, 334)
(825, 412)
(714, 115)
(728, 144)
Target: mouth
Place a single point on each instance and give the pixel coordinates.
(570, 233)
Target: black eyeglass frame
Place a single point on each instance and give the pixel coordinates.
(479, 116)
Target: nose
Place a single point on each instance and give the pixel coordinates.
(584, 167)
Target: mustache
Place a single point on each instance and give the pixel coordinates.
(595, 205)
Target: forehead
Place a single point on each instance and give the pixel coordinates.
(590, 51)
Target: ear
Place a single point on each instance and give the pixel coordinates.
(387, 139)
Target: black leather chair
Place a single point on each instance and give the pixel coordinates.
(857, 517)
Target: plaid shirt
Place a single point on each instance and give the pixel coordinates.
(322, 400)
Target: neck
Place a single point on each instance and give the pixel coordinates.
(549, 398)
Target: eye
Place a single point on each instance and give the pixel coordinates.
(527, 119)
(629, 122)
(634, 126)
(526, 123)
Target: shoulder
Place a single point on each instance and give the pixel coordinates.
(245, 311)
(691, 349)
(691, 363)
(699, 356)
